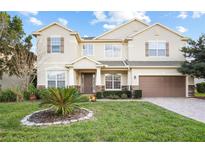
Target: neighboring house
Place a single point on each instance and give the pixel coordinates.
(8, 82)
(132, 56)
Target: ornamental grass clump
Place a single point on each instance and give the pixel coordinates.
(62, 100)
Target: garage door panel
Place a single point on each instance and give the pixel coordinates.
(161, 86)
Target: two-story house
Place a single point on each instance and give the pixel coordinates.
(132, 56)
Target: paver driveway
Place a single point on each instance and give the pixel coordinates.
(189, 107)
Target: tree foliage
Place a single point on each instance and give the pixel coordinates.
(195, 58)
(15, 56)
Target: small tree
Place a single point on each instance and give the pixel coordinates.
(23, 63)
(195, 58)
(15, 56)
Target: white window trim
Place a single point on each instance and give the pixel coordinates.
(65, 72)
(82, 53)
(113, 82)
(116, 45)
(54, 36)
(157, 47)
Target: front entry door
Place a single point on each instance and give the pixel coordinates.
(88, 83)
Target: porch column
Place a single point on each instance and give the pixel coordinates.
(129, 82)
(71, 76)
(98, 80)
(98, 77)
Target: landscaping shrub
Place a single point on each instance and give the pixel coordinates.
(99, 95)
(118, 93)
(19, 94)
(115, 97)
(124, 96)
(84, 98)
(62, 100)
(7, 96)
(41, 93)
(137, 93)
(32, 89)
(200, 87)
(26, 95)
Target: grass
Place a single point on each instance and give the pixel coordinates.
(199, 94)
(114, 121)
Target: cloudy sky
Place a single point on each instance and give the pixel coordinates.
(190, 24)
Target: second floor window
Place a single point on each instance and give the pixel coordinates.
(55, 44)
(88, 49)
(157, 48)
(112, 51)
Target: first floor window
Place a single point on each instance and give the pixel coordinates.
(56, 79)
(88, 49)
(112, 50)
(113, 82)
(157, 48)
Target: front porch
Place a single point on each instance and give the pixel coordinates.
(90, 76)
(89, 81)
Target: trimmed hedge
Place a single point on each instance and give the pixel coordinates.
(99, 95)
(7, 96)
(111, 94)
(137, 93)
(200, 87)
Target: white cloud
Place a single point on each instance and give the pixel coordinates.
(113, 18)
(181, 29)
(85, 35)
(108, 26)
(183, 15)
(100, 17)
(28, 13)
(35, 21)
(198, 14)
(63, 21)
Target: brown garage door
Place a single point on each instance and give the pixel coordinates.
(162, 86)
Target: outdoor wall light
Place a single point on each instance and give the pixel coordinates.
(135, 77)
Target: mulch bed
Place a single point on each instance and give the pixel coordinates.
(49, 116)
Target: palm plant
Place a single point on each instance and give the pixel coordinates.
(62, 100)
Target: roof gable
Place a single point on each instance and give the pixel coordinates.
(121, 27)
(84, 63)
(50, 25)
(85, 57)
(157, 24)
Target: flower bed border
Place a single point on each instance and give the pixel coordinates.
(25, 120)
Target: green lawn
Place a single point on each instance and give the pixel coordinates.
(114, 121)
(199, 94)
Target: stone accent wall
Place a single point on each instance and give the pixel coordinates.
(191, 89)
(132, 88)
(125, 87)
(100, 88)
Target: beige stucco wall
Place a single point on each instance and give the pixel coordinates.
(84, 64)
(136, 46)
(55, 60)
(8, 82)
(99, 51)
(135, 73)
(124, 31)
